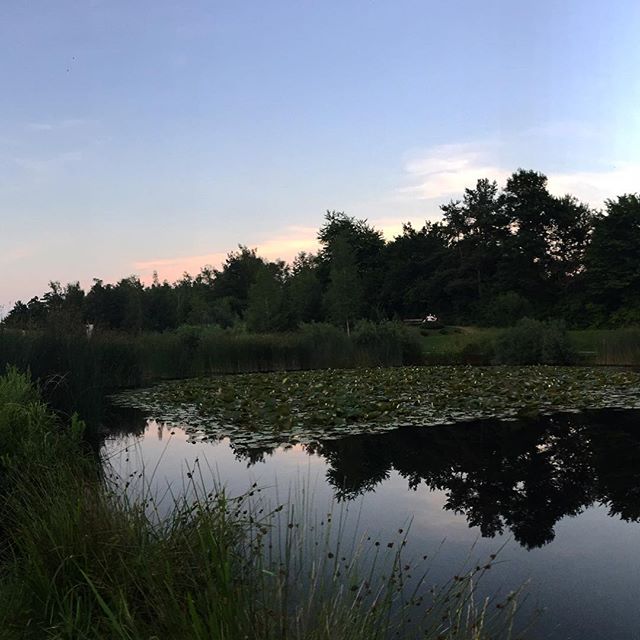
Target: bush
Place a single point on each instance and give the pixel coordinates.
(535, 342)
(506, 309)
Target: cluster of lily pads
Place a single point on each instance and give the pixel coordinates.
(270, 409)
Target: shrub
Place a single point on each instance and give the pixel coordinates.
(506, 309)
(534, 342)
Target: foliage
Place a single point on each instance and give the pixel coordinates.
(304, 290)
(265, 310)
(506, 309)
(344, 293)
(535, 342)
(612, 275)
(349, 244)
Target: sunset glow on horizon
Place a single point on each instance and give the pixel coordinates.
(157, 136)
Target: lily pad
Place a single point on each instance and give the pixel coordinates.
(272, 409)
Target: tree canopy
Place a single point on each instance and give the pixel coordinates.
(497, 255)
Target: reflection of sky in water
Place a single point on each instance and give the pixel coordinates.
(587, 578)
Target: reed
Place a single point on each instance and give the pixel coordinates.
(75, 371)
(620, 347)
(617, 347)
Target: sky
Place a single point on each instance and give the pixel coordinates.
(158, 135)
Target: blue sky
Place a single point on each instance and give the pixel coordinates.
(141, 135)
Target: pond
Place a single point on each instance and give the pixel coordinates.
(556, 496)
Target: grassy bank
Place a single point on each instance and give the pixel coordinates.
(458, 345)
(476, 345)
(81, 560)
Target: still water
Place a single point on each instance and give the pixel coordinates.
(557, 497)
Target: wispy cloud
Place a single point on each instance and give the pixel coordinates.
(596, 186)
(57, 125)
(172, 268)
(289, 242)
(445, 171)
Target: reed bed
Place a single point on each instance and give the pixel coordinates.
(112, 359)
(620, 347)
(75, 372)
(613, 347)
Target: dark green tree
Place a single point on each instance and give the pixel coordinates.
(265, 304)
(613, 263)
(478, 231)
(238, 273)
(548, 241)
(304, 291)
(160, 308)
(415, 264)
(367, 246)
(345, 292)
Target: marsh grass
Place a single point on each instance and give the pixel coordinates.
(619, 347)
(84, 559)
(74, 372)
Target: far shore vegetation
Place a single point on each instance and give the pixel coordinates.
(511, 276)
(497, 256)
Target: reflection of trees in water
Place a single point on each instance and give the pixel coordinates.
(521, 476)
(123, 421)
(252, 456)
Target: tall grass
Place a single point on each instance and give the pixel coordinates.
(608, 346)
(83, 560)
(200, 351)
(74, 371)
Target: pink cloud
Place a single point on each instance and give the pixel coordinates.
(286, 245)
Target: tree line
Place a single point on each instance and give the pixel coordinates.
(496, 256)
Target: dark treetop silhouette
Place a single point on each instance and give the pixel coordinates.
(496, 256)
